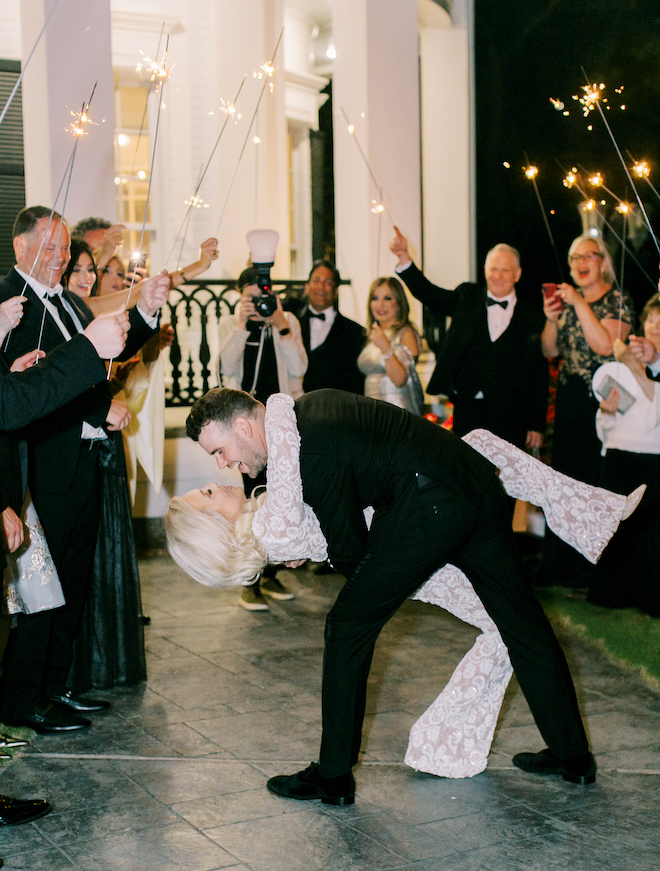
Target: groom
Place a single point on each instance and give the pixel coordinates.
(436, 501)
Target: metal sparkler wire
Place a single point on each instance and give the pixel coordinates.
(140, 132)
(610, 227)
(625, 167)
(531, 172)
(201, 179)
(381, 206)
(247, 136)
(27, 62)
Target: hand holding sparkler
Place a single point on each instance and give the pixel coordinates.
(107, 333)
(28, 360)
(112, 239)
(643, 350)
(11, 312)
(399, 247)
(118, 416)
(154, 293)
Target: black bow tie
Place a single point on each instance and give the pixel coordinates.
(503, 302)
(312, 314)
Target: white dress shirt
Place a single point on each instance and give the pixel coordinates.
(318, 328)
(499, 318)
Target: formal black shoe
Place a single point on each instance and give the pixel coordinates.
(310, 784)
(579, 769)
(14, 811)
(46, 719)
(79, 705)
(8, 743)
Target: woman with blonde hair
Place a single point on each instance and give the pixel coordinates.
(222, 538)
(388, 359)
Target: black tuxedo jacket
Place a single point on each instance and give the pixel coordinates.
(334, 363)
(26, 396)
(54, 441)
(528, 390)
(357, 451)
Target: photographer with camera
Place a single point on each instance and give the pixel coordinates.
(261, 352)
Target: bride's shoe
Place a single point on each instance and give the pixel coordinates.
(633, 501)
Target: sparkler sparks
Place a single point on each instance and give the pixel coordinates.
(570, 179)
(230, 109)
(159, 72)
(531, 171)
(556, 103)
(641, 168)
(623, 208)
(377, 207)
(81, 119)
(196, 202)
(592, 95)
(265, 71)
(596, 180)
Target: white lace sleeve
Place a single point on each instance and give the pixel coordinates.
(584, 516)
(284, 524)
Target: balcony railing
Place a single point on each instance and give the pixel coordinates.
(195, 311)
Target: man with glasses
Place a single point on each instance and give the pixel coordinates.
(332, 341)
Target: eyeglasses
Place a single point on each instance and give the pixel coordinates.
(580, 258)
(326, 282)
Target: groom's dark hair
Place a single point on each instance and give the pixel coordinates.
(222, 405)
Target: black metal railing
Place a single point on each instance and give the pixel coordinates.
(195, 311)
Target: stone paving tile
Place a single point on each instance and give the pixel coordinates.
(226, 687)
(304, 841)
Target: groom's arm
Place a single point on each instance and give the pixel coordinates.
(332, 494)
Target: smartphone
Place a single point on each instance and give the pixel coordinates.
(550, 292)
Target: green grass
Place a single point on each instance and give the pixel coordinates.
(627, 636)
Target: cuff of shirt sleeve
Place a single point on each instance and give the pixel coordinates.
(400, 268)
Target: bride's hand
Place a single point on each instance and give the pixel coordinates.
(295, 564)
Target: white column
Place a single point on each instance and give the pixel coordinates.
(73, 54)
(444, 66)
(376, 83)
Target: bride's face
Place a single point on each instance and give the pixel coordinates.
(228, 501)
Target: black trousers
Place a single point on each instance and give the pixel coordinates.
(39, 651)
(427, 528)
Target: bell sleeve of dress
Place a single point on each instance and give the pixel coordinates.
(292, 348)
(284, 524)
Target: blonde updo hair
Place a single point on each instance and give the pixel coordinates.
(212, 549)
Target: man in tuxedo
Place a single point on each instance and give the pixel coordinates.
(27, 394)
(333, 342)
(491, 366)
(62, 470)
(436, 501)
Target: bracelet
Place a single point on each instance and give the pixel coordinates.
(285, 331)
(389, 354)
(181, 273)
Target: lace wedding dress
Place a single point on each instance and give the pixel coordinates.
(453, 737)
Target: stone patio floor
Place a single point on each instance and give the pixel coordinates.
(173, 777)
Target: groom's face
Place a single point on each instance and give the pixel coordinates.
(238, 446)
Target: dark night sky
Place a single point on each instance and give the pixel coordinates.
(527, 52)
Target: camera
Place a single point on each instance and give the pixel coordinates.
(265, 304)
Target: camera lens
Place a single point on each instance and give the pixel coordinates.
(265, 305)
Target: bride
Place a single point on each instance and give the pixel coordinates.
(221, 538)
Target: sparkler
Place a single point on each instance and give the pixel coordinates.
(267, 71)
(531, 173)
(230, 110)
(162, 73)
(379, 206)
(597, 104)
(27, 62)
(141, 175)
(641, 169)
(571, 180)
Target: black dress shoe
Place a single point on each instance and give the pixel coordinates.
(310, 784)
(579, 769)
(14, 811)
(47, 719)
(80, 706)
(7, 742)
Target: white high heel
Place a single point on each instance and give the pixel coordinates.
(633, 501)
